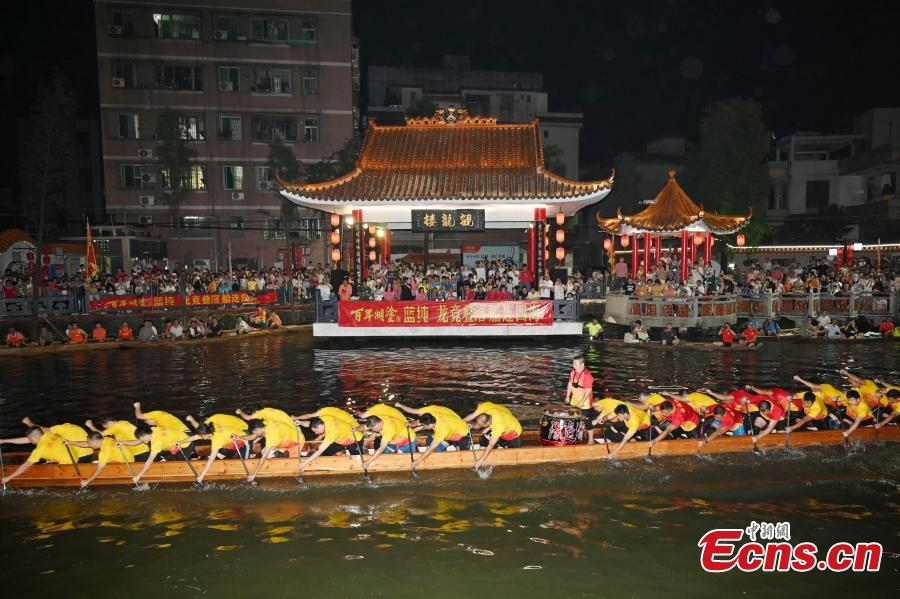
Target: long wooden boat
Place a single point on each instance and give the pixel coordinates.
(229, 335)
(701, 345)
(530, 454)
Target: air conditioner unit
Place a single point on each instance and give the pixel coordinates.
(118, 82)
(237, 195)
(147, 200)
(226, 86)
(147, 178)
(145, 220)
(114, 30)
(145, 154)
(266, 185)
(220, 34)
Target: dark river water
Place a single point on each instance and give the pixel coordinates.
(626, 529)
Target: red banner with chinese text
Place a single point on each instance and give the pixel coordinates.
(446, 314)
(131, 302)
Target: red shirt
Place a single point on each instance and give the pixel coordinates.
(525, 277)
(9, 292)
(727, 335)
(503, 295)
(125, 333)
(491, 295)
(683, 414)
(585, 380)
(750, 334)
(737, 400)
(776, 414)
(730, 418)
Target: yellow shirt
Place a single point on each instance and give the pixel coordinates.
(860, 410)
(338, 423)
(166, 420)
(655, 399)
(224, 425)
(701, 402)
(268, 415)
(818, 410)
(502, 420)
(447, 423)
(164, 439)
(885, 401)
(831, 395)
(637, 419)
(110, 454)
(51, 448)
(279, 434)
(122, 430)
(394, 430)
(607, 406)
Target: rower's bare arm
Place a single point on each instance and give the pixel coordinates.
(890, 418)
(22, 468)
(625, 439)
(309, 416)
(662, 435)
(377, 453)
(806, 383)
(715, 435)
(431, 449)
(15, 441)
(138, 413)
(89, 424)
(407, 409)
(313, 456)
(487, 451)
(758, 391)
(715, 395)
(146, 467)
(97, 471)
(243, 414)
(29, 422)
(131, 443)
(853, 426)
(77, 443)
(192, 421)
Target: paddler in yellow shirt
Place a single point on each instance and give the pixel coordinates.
(159, 418)
(448, 429)
(49, 446)
(498, 425)
(858, 412)
(816, 415)
(165, 443)
(867, 388)
(109, 452)
(390, 426)
(333, 429)
(831, 395)
(266, 414)
(282, 440)
(890, 400)
(120, 430)
(224, 433)
(629, 422)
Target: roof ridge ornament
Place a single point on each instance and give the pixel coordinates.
(451, 116)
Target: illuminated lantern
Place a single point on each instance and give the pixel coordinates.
(335, 237)
(335, 255)
(560, 236)
(607, 244)
(712, 241)
(698, 238)
(349, 221)
(379, 233)
(560, 254)
(372, 256)
(372, 242)
(335, 220)
(371, 229)
(546, 255)
(560, 218)
(45, 259)
(625, 241)
(741, 240)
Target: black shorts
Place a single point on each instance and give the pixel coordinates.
(589, 416)
(726, 344)
(336, 448)
(517, 442)
(142, 457)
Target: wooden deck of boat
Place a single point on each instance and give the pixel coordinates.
(57, 475)
(707, 345)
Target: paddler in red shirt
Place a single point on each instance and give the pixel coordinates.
(681, 418)
(748, 337)
(724, 420)
(771, 415)
(580, 394)
(727, 335)
(125, 332)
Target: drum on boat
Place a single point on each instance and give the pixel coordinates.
(562, 428)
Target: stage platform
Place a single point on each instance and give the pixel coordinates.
(557, 329)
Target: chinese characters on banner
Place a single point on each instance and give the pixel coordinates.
(435, 221)
(445, 314)
(130, 302)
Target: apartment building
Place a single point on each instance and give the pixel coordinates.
(240, 76)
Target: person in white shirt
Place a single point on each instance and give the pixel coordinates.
(177, 330)
(559, 290)
(324, 290)
(546, 288)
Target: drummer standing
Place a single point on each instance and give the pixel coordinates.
(580, 394)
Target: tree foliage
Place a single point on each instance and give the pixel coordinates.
(829, 224)
(553, 159)
(49, 150)
(339, 163)
(176, 157)
(727, 172)
(626, 191)
(424, 106)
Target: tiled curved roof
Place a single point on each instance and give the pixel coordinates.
(436, 160)
(673, 211)
(11, 236)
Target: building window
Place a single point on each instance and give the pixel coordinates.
(129, 126)
(236, 224)
(124, 73)
(393, 96)
(130, 176)
(193, 178)
(270, 30)
(308, 31)
(274, 128)
(271, 81)
(310, 131)
(310, 82)
(225, 28)
(230, 127)
(121, 23)
(179, 77)
(233, 178)
(192, 128)
(817, 194)
(778, 197)
(176, 27)
(229, 79)
(309, 228)
(274, 228)
(196, 226)
(264, 179)
(506, 101)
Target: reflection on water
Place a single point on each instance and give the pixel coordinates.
(571, 528)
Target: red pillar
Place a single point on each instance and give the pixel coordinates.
(387, 245)
(684, 257)
(634, 256)
(658, 249)
(707, 249)
(532, 250)
(646, 253)
(541, 245)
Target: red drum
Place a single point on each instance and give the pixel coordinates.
(562, 428)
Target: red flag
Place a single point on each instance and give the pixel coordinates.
(91, 255)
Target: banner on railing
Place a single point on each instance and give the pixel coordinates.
(445, 314)
(174, 300)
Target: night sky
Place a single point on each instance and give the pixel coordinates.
(636, 69)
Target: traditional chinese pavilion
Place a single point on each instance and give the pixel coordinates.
(672, 215)
(445, 173)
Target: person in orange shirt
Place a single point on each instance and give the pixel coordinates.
(99, 333)
(258, 319)
(125, 332)
(345, 291)
(14, 338)
(75, 334)
(748, 337)
(858, 412)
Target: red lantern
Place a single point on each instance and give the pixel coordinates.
(560, 254)
(560, 236)
(335, 237)
(335, 220)
(607, 244)
(372, 256)
(29, 256)
(560, 218)
(625, 241)
(698, 238)
(546, 255)
(712, 241)
(741, 240)
(371, 229)
(372, 242)
(45, 259)
(335, 255)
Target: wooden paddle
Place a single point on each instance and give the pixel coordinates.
(234, 441)
(299, 457)
(412, 450)
(137, 486)
(188, 462)
(74, 461)
(362, 461)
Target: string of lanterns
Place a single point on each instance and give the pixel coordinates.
(335, 237)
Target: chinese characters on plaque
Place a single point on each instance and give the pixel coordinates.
(437, 221)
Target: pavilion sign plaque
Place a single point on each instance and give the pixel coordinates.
(439, 221)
